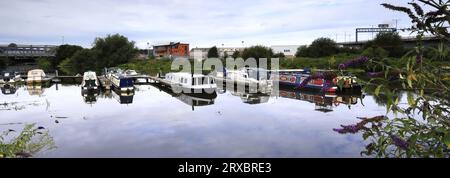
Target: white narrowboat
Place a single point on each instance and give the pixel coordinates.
(192, 83)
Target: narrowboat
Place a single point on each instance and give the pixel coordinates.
(36, 76)
(191, 83)
(120, 81)
(90, 81)
(303, 79)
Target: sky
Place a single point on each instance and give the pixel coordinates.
(201, 23)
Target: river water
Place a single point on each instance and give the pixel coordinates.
(155, 123)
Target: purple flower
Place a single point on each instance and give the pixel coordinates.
(419, 58)
(400, 142)
(354, 63)
(348, 129)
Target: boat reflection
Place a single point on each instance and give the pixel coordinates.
(37, 88)
(122, 97)
(194, 100)
(8, 89)
(252, 98)
(323, 102)
(90, 96)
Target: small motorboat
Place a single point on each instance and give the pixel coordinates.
(36, 76)
(90, 81)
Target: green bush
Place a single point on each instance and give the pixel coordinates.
(257, 52)
(391, 42)
(375, 53)
(320, 47)
(45, 64)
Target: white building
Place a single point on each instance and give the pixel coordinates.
(287, 50)
(203, 52)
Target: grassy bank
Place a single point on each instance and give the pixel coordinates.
(154, 66)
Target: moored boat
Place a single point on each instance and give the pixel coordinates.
(120, 81)
(36, 76)
(191, 83)
(325, 81)
(90, 81)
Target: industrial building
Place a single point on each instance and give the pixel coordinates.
(288, 50)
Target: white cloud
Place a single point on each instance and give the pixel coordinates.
(199, 22)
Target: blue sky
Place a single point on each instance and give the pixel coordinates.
(202, 23)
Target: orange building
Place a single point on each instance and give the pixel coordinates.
(171, 50)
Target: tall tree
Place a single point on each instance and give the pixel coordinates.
(113, 51)
(391, 42)
(322, 47)
(257, 52)
(65, 51)
(213, 52)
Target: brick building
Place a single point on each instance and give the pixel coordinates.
(171, 50)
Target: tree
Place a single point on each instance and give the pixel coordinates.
(4, 62)
(67, 67)
(236, 54)
(65, 51)
(113, 51)
(323, 47)
(84, 60)
(213, 52)
(279, 55)
(391, 42)
(44, 64)
(257, 52)
(375, 53)
(302, 51)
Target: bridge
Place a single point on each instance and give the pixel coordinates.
(407, 41)
(27, 51)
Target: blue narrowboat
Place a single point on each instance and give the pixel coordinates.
(120, 81)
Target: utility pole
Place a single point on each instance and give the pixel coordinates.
(396, 23)
(345, 36)
(62, 40)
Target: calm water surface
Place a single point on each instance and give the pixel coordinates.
(154, 123)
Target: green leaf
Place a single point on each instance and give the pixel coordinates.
(377, 90)
(411, 100)
(447, 139)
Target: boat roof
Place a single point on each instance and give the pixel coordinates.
(187, 75)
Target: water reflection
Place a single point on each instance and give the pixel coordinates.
(90, 96)
(37, 89)
(8, 89)
(323, 102)
(123, 97)
(193, 100)
(160, 123)
(252, 98)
